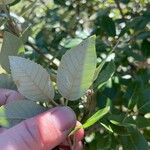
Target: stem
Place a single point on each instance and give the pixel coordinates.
(113, 49)
(70, 143)
(121, 12)
(38, 50)
(42, 54)
(74, 143)
(66, 103)
(54, 103)
(11, 23)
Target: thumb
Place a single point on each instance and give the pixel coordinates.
(42, 132)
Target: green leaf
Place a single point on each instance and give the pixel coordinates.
(144, 101)
(101, 65)
(93, 119)
(105, 75)
(134, 141)
(143, 35)
(118, 129)
(11, 45)
(108, 26)
(142, 122)
(15, 112)
(26, 32)
(76, 70)
(115, 127)
(98, 69)
(125, 1)
(145, 48)
(133, 99)
(139, 23)
(69, 43)
(9, 2)
(32, 80)
(103, 141)
(6, 2)
(96, 117)
(15, 2)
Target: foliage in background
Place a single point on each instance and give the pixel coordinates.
(119, 25)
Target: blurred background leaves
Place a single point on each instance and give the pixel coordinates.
(122, 25)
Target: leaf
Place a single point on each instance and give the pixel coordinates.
(6, 82)
(134, 141)
(15, 2)
(2, 70)
(93, 119)
(144, 101)
(142, 122)
(133, 99)
(11, 45)
(26, 31)
(143, 35)
(101, 65)
(105, 75)
(17, 111)
(108, 25)
(139, 23)
(32, 80)
(6, 2)
(118, 129)
(69, 43)
(103, 141)
(96, 117)
(76, 70)
(98, 69)
(125, 1)
(145, 48)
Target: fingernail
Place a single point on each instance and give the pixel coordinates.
(64, 118)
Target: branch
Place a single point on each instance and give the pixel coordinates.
(121, 12)
(48, 57)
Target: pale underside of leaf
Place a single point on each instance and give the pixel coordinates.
(76, 70)
(32, 80)
(10, 46)
(15, 112)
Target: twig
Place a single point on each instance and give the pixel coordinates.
(37, 50)
(121, 12)
(54, 103)
(70, 143)
(113, 49)
(11, 23)
(42, 54)
(66, 102)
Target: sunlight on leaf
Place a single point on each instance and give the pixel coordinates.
(96, 117)
(76, 70)
(93, 119)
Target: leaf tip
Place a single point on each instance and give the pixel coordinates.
(92, 38)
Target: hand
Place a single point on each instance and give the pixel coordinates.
(42, 132)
